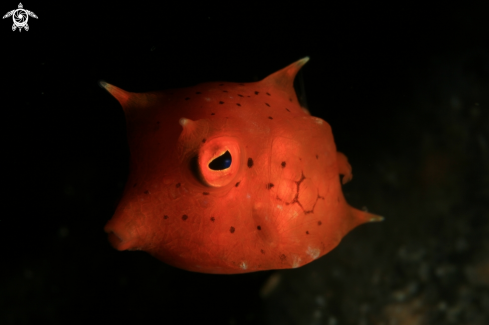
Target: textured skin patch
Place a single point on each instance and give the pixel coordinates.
(296, 261)
(313, 252)
(318, 120)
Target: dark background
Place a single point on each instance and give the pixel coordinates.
(404, 86)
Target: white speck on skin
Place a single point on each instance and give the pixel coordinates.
(207, 99)
(313, 252)
(318, 120)
(279, 207)
(296, 261)
(248, 196)
(295, 213)
(243, 265)
(183, 121)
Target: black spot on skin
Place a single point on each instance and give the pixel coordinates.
(213, 219)
(287, 110)
(203, 140)
(241, 84)
(178, 185)
(238, 104)
(257, 92)
(135, 184)
(146, 192)
(307, 232)
(250, 162)
(237, 184)
(212, 114)
(221, 102)
(317, 157)
(267, 104)
(283, 164)
(232, 230)
(205, 193)
(270, 117)
(269, 185)
(268, 94)
(319, 223)
(221, 84)
(290, 100)
(338, 199)
(224, 91)
(258, 227)
(165, 217)
(248, 96)
(187, 98)
(240, 95)
(198, 92)
(262, 251)
(184, 217)
(282, 257)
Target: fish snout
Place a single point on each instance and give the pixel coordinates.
(122, 236)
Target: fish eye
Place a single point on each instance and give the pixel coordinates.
(218, 161)
(221, 162)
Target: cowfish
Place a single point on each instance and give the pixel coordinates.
(230, 177)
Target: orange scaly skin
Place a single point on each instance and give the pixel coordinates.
(279, 204)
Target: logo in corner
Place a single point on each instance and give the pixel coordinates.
(20, 17)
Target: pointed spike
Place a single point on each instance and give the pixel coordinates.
(192, 134)
(302, 61)
(121, 95)
(284, 78)
(191, 128)
(364, 216)
(130, 102)
(185, 122)
(376, 218)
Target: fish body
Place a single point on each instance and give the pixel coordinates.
(231, 178)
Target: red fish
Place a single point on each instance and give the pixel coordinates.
(231, 178)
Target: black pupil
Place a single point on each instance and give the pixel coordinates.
(221, 162)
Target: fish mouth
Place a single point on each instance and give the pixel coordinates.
(120, 239)
(114, 240)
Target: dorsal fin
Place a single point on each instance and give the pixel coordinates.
(284, 78)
